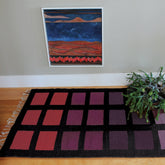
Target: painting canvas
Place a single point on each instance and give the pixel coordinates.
(73, 36)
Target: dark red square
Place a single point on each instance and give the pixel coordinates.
(31, 117)
(46, 140)
(39, 98)
(53, 117)
(59, 99)
(22, 140)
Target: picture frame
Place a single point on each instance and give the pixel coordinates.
(74, 36)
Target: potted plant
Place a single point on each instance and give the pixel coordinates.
(145, 93)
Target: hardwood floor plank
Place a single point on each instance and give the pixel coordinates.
(11, 93)
(82, 161)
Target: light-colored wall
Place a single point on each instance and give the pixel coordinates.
(134, 36)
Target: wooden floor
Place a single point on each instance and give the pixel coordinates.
(10, 97)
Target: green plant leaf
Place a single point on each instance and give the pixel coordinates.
(158, 114)
(145, 92)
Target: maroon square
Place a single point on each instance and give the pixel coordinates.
(31, 117)
(78, 98)
(96, 98)
(70, 140)
(117, 117)
(118, 140)
(74, 117)
(144, 140)
(46, 140)
(115, 98)
(22, 140)
(95, 117)
(137, 120)
(39, 98)
(93, 140)
(161, 118)
(161, 134)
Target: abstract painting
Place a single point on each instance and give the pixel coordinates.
(73, 36)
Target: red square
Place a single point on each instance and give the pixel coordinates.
(22, 140)
(59, 99)
(53, 117)
(46, 140)
(39, 98)
(31, 117)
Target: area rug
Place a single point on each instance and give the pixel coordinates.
(82, 123)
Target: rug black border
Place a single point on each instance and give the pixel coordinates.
(131, 152)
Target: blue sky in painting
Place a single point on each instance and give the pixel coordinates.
(79, 31)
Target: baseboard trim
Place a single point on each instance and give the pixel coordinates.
(72, 80)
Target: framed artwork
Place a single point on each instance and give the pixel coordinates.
(73, 36)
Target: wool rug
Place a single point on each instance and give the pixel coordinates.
(82, 123)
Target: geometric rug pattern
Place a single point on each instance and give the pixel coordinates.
(83, 123)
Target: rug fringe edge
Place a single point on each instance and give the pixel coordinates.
(11, 120)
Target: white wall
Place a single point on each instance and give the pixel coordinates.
(134, 36)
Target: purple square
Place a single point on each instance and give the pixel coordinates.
(144, 140)
(96, 98)
(93, 140)
(78, 98)
(161, 134)
(74, 117)
(118, 140)
(70, 140)
(117, 117)
(115, 98)
(137, 120)
(95, 117)
(161, 119)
